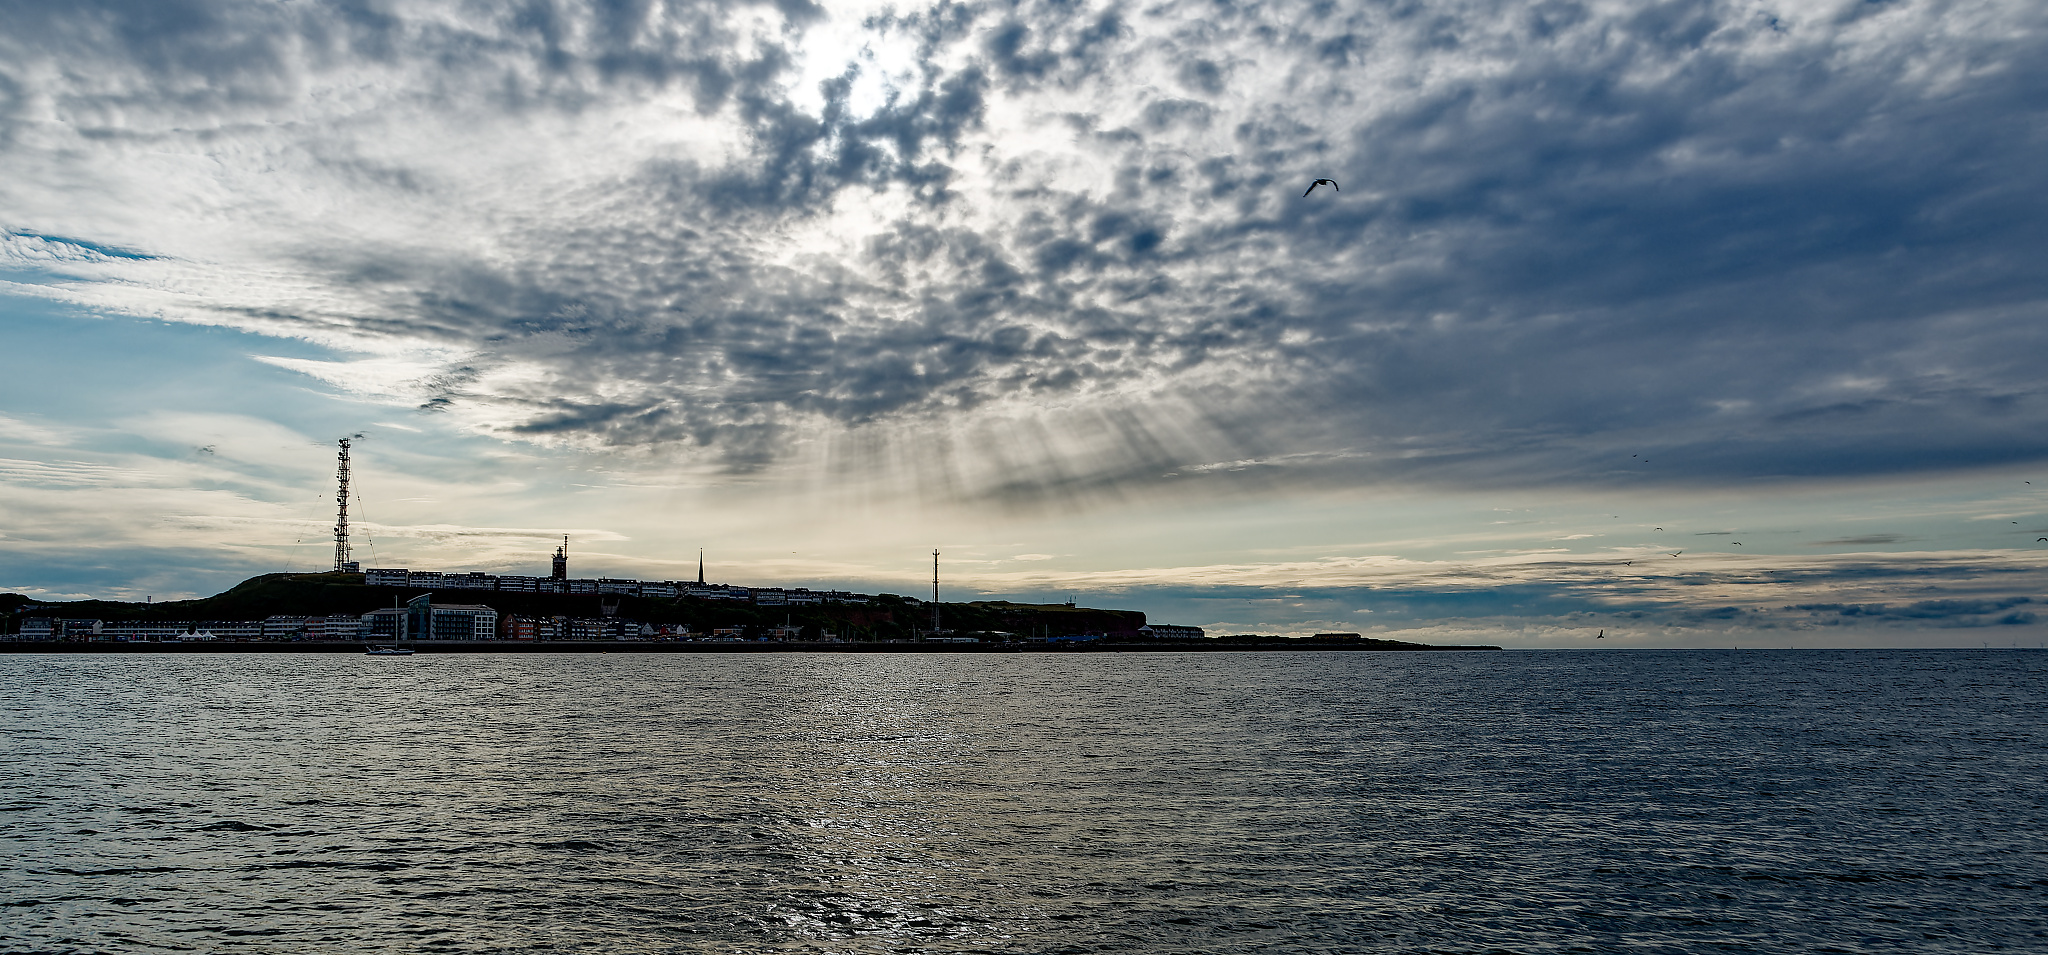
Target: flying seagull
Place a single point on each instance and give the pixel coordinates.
(1680, 552)
(1332, 183)
(1602, 635)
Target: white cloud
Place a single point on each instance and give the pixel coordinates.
(19, 430)
(1051, 258)
(932, 233)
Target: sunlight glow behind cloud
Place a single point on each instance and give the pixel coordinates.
(1043, 256)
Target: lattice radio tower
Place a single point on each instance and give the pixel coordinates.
(935, 592)
(341, 555)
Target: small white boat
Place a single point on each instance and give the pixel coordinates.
(376, 651)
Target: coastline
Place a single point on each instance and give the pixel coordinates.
(654, 646)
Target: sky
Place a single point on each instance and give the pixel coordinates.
(1689, 323)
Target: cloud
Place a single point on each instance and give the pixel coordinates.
(66, 475)
(1037, 251)
(431, 532)
(27, 250)
(1860, 541)
(14, 429)
(1547, 590)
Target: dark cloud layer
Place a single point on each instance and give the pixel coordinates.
(1664, 243)
(1917, 592)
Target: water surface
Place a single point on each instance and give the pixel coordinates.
(1788, 801)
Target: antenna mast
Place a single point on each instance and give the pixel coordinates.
(341, 556)
(935, 592)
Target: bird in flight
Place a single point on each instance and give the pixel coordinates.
(1680, 552)
(1332, 183)
(1602, 635)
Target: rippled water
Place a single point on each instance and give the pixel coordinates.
(1306, 802)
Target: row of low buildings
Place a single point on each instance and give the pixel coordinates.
(433, 622)
(423, 620)
(513, 583)
(341, 627)
(419, 619)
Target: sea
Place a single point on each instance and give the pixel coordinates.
(1289, 802)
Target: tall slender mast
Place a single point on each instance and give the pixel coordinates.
(935, 592)
(341, 555)
(700, 566)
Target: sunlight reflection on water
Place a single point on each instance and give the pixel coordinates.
(1649, 801)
